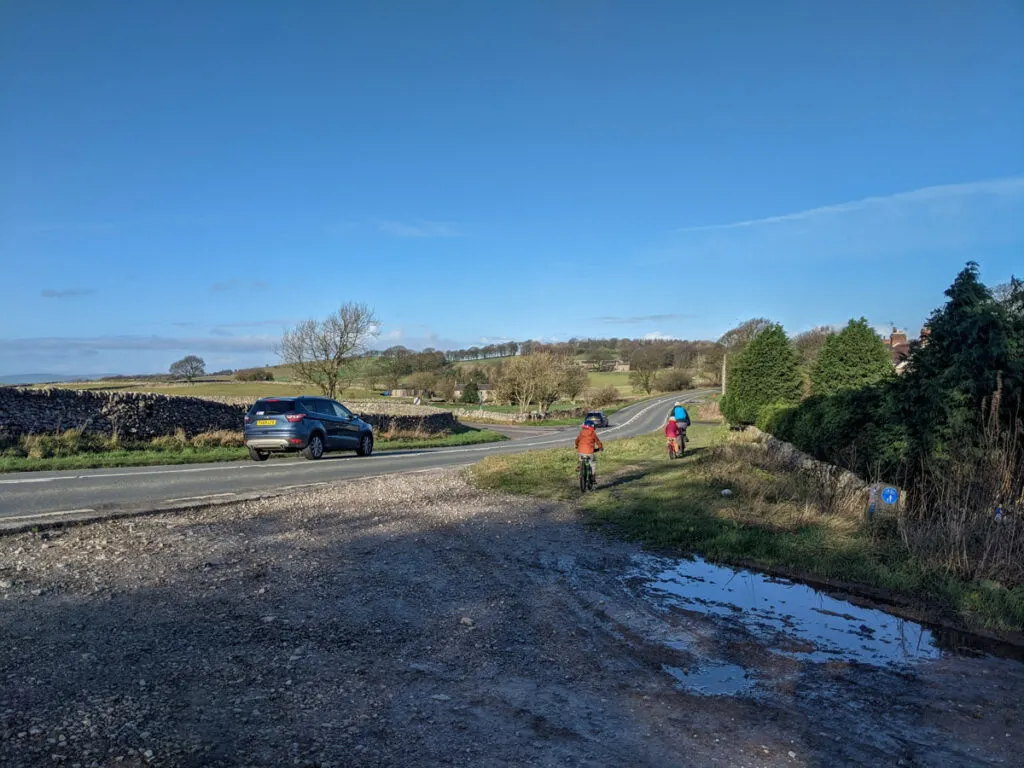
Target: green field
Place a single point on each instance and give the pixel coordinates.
(215, 388)
(617, 379)
(487, 362)
(221, 386)
(776, 518)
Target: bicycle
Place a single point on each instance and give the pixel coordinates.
(585, 470)
(672, 452)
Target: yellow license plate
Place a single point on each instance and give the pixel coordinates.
(266, 422)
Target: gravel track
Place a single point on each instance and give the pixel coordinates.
(412, 621)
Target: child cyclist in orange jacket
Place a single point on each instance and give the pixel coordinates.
(587, 444)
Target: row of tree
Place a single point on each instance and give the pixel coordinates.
(506, 349)
(963, 388)
(771, 371)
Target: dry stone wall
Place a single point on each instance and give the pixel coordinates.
(143, 416)
(128, 414)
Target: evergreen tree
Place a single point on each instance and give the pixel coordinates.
(956, 368)
(853, 358)
(471, 393)
(767, 372)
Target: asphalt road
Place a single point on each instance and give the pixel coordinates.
(46, 497)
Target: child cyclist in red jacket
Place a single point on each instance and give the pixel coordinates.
(673, 433)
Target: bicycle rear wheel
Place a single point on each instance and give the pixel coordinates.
(583, 476)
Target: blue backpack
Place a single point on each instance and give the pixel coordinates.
(680, 413)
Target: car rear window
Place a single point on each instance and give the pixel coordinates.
(594, 414)
(274, 406)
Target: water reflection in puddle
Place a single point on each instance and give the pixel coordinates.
(719, 679)
(794, 619)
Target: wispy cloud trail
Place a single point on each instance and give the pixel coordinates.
(1012, 186)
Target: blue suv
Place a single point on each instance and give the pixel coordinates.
(312, 425)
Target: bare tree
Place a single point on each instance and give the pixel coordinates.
(188, 368)
(423, 383)
(809, 343)
(737, 338)
(573, 380)
(529, 379)
(1007, 294)
(393, 364)
(446, 386)
(643, 368)
(318, 352)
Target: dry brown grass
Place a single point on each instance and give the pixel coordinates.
(778, 494)
(950, 519)
(221, 438)
(393, 433)
(176, 442)
(709, 411)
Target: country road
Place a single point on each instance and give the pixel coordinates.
(46, 497)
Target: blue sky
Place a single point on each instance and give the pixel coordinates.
(192, 177)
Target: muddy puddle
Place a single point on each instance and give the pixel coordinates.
(788, 620)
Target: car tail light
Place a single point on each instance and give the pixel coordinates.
(248, 419)
(295, 441)
(294, 417)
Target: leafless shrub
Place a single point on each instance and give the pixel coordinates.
(950, 519)
(599, 398)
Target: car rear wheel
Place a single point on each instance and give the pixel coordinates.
(257, 455)
(315, 449)
(365, 445)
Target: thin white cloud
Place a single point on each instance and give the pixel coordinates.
(1012, 186)
(419, 229)
(657, 336)
(943, 222)
(637, 319)
(413, 337)
(136, 344)
(256, 324)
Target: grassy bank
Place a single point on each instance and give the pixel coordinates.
(482, 413)
(799, 522)
(72, 450)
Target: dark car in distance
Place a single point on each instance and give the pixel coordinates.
(311, 425)
(596, 418)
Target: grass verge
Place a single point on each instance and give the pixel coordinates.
(65, 451)
(799, 522)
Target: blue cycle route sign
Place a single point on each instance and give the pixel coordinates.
(890, 495)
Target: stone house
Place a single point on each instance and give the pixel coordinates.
(899, 347)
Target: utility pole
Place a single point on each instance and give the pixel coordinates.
(725, 367)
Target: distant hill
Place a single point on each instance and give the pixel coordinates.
(46, 378)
